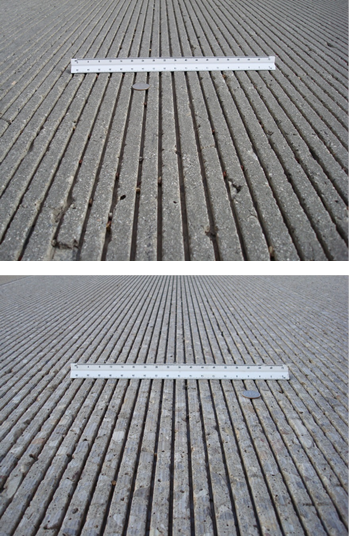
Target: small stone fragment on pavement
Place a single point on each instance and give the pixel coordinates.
(140, 86)
(251, 394)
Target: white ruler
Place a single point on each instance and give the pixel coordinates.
(179, 371)
(136, 65)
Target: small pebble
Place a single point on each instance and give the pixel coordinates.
(251, 394)
(140, 86)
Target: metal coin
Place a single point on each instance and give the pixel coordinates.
(140, 86)
(251, 394)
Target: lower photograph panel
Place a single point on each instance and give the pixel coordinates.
(176, 455)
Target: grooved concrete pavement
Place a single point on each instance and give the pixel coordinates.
(202, 166)
(184, 457)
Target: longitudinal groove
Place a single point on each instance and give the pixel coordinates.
(116, 183)
(213, 385)
(120, 455)
(35, 476)
(238, 188)
(137, 461)
(159, 187)
(22, 313)
(190, 473)
(89, 432)
(153, 470)
(288, 490)
(100, 165)
(182, 188)
(121, 396)
(214, 521)
(200, 434)
(223, 384)
(40, 182)
(49, 186)
(138, 185)
(171, 469)
(212, 230)
(206, 337)
(217, 465)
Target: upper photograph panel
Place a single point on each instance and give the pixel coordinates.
(194, 130)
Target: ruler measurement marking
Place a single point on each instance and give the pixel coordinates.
(184, 371)
(103, 65)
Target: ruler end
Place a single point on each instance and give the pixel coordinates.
(73, 63)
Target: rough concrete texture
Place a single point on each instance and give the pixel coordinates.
(201, 166)
(183, 457)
